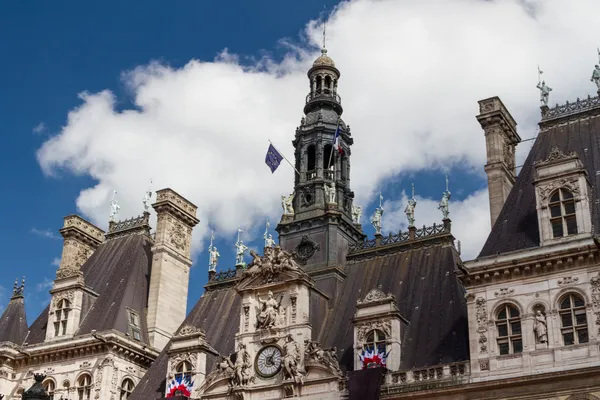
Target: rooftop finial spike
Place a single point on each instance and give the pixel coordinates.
(18, 290)
(324, 49)
(114, 208)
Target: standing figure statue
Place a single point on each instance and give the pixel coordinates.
(146, 199)
(213, 254)
(356, 214)
(444, 202)
(596, 76)
(269, 242)
(240, 249)
(544, 90)
(242, 369)
(376, 219)
(114, 208)
(540, 328)
(410, 208)
(330, 193)
(268, 312)
(287, 204)
(291, 360)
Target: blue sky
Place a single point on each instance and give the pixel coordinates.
(63, 153)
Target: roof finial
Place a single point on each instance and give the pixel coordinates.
(19, 290)
(114, 208)
(324, 49)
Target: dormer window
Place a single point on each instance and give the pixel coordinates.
(562, 213)
(184, 371)
(376, 340)
(61, 317)
(134, 325)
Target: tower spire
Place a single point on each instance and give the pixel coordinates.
(324, 49)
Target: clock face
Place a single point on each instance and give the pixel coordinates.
(268, 361)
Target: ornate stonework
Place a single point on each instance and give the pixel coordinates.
(306, 249)
(568, 280)
(556, 155)
(313, 353)
(482, 321)
(374, 296)
(189, 330)
(504, 292)
(178, 236)
(363, 329)
(272, 263)
(176, 359)
(595, 284)
(545, 190)
(68, 295)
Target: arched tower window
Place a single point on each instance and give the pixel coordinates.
(311, 158)
(376, 340)
(61, 317)
(328, 157)
(184, 370)
(84, 387)
(50, 388)
(126, 388)
(328, 87)
(562, 213)
(508, 325)
(573, 319)
(319, 85)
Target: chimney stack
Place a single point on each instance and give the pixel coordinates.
(171, 262)
(501, 139)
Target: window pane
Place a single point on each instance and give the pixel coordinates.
(517, 346)
(554, 197)
(582, 335)
(578, 301)
(513, 312)
(580, 318)
(555, 211)
(571, 225)
(371, 337)
(566, 303)
(569, 207)
(567, 320)
(557, 228)
(566, 194)
(568, 338)
(515, 328)
(502, 314)
(502, 330)
(503, 348)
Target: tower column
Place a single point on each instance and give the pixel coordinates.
(171, 262)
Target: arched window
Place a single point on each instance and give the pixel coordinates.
(126, 388)
(61, 316)
(311, 158)
(50, 387)
(376, 340)
(84, 387)
(328, 157)
(508, 326)
(319, 84)
(327, 84)
(184, 370)
(562, 213)
(573, 319)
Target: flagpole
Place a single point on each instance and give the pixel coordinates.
(331, 153)
(284, 157)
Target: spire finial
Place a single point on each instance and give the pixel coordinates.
(324, 49)
(19, 290)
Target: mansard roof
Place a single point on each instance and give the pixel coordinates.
(13, 322)
(419, 272)
(119, 272)
(573, 127)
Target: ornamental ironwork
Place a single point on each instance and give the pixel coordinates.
(570, 108)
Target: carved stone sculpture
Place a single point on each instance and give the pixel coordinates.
(214, 258)
(540, 327)
(114, 208)
(291, 360)
(356, 214)
(544, 92)
(376, 220)
(596, 76)
(146, 200)
(327, 357)
(274, 261)
(330, 193)
(240, 249)
(242, 369)
(410, 211)
(444, 204)
(287, 204)
(268, 312)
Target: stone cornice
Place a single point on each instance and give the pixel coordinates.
(78, 228)
(535, 261)
(168, 201)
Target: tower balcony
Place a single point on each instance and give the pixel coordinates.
(311, 175)
(323, 96)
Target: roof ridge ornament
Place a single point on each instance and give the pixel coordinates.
(556, 154)
(18, 291)
(544, 89)
(375, 295)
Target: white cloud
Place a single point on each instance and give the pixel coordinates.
(39, 128)
(45, 285)
(412, 73)
(46, 233)
(56, 262)
(470, 219)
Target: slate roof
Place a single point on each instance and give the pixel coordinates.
(13, 322)
(517, 227)
(119, 272)
(422, 278)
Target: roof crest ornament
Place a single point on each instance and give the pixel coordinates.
(544, 89)
(114, 208)
(444, 202)
(147, 197)
(410, 208)
(375, 295)
(596, 73)
(556, 155)
(18, 291)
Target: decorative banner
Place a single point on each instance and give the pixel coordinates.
(180, 386)
(373, 358)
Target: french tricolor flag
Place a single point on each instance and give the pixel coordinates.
(336, 140)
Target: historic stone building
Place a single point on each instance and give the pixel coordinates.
(521, 321)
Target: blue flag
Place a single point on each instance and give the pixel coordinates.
(273, 158)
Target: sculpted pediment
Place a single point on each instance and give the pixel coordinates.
(276, 265)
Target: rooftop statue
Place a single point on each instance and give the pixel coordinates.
(356, 214)
(410, 208)
(114, 208)
(376, 219)
(287, 204)
(596, 76)
(544, 89)
(330, 193)
(240, 249)
(269, 242)
(444, 202)
(213, 255)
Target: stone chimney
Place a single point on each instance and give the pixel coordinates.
(171, 262)
(81, 239)
(501, 139)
